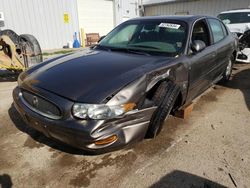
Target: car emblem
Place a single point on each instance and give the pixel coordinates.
(35, 102)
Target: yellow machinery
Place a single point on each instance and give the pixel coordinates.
(18, 52)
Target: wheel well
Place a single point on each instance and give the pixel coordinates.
(151, 93)
(166, 96)
(178, 103)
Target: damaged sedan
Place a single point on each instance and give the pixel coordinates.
(122, 89)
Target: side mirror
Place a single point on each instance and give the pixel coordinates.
(198, 45)
(102, 37)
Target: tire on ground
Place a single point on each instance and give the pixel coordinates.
(165, 98)
(226, 76)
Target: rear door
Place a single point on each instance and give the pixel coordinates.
(201, 63)
(222, 45)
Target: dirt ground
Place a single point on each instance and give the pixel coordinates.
(210, 149)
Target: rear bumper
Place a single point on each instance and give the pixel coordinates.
(82, 133)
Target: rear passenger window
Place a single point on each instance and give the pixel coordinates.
(217, 30)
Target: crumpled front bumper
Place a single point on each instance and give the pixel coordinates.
(246, 53)
(83, 134)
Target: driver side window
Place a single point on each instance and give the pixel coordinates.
(201, 32)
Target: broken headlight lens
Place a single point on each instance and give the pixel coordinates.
(100, 111)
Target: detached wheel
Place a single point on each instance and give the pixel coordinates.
(33, 48)
(11, 34)
(164, 97)
(228, 71)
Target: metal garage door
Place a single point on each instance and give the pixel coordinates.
(203, 7)
(96, 16)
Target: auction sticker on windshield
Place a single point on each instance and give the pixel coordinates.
(170, 25)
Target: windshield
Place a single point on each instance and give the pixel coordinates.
(234, 18)
(154, 37)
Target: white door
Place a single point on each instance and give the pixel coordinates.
(130, 9)
(96, 16)
(125, 10)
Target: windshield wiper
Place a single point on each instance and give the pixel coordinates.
(134, 51)
(98, 46)
(139, 52)
(144, 46)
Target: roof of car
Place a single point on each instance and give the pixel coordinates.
(186, 18)
(236, 10)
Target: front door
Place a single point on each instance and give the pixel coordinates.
(201, 63)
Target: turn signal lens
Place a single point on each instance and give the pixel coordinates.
(129, 106)
(106, 140)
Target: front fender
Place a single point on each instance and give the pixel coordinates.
(138, 89)
(133, 92)
(177, 73)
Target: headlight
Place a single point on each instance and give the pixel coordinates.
(100, 111)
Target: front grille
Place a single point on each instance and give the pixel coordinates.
(41, 106)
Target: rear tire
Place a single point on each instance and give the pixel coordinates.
(228, 71)
(164, 97)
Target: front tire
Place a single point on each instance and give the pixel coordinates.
(164, 97)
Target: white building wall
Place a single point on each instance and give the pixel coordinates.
(42, 18)
(96, 16)
(101, 16)
(156, 1)
(203, 7)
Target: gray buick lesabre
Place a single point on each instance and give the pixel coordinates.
(122, 89)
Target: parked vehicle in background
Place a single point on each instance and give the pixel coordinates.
(125, 87)
(238, 22)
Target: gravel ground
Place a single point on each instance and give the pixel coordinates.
(210, 149)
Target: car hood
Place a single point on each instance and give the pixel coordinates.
(90, 76)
